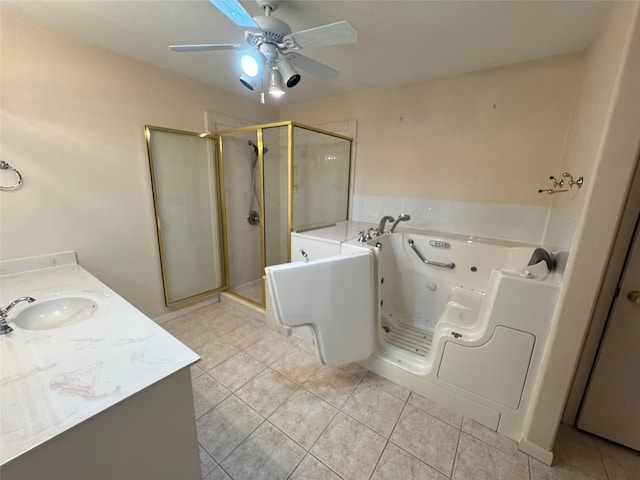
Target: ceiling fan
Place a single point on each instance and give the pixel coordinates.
(271, 47)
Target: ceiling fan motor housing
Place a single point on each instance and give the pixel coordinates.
(269, 50)
(273, 28)
(274, 39)
(271, 4)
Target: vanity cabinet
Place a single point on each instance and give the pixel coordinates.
(150, 435)
(106, 397)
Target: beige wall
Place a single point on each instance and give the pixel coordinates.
(589, 123)
(609, 111)
(72, 123)
(490, 136)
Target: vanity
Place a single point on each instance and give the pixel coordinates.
(90, 387)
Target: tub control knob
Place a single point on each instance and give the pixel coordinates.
(634, 296)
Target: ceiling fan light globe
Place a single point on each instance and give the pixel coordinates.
(289, 74)
(249, 65)
(275, 83)
(293, 80)
(248, 82)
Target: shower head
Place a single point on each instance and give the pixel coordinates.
(255, 147)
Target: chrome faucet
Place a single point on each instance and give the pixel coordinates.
(4, 311)
(401, 218)
(384, 220)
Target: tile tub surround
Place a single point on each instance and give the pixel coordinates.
(53, 380)
(518, 223)
(292, 418)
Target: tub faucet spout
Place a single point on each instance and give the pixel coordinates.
(384, 220)
(4, 311)
(401, 218)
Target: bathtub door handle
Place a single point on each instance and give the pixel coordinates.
(429, 262)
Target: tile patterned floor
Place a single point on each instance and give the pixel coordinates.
(266, 409)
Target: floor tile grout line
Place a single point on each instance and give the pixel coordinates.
(599, 442)
(388, 440)
(420, 459)
(225, 471)
(240, 386)
(289, 378)
(326, 426)
(245, 438)
(604, 464)
(435, 416)
(298, 464)
(475, 437)
(400, 447)
(308, 451)
(455, 455)
(209, 455)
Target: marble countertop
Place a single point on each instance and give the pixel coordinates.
(52, 380)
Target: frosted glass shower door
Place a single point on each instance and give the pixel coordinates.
(321, 169)
(187, 203)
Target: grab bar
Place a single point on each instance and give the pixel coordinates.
(429, 262)
(5, 166)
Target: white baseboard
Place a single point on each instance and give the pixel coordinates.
(176, 313)
(539, 453)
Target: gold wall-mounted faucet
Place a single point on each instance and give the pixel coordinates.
(560, 183)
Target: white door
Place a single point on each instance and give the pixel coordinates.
(333, 296)
(611, 408)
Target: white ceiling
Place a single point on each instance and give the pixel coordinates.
(399, 41)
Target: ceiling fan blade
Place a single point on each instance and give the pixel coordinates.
(317, 69)
(204, 47)
(235, 12)
(333, 34)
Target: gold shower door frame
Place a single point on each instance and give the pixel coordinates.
(220, 227)
(259, 129)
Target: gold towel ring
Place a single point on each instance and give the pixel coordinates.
(5, 166)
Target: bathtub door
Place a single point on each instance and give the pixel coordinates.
(333, 296)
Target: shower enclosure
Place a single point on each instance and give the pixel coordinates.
(258, 183)
(277, 178)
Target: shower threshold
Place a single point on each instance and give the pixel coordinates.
(251, 291)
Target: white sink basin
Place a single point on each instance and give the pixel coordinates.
(57, 312)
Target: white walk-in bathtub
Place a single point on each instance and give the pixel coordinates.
(459, 320)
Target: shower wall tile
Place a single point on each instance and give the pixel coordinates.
(520, 223)
(559, 232)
